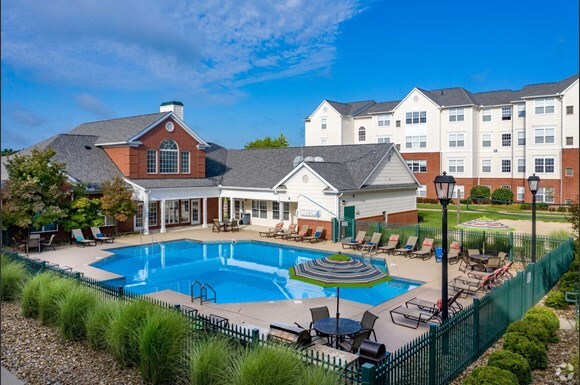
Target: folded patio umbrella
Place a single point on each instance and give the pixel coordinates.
(338, 271)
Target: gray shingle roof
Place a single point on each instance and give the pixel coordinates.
(548, 88)
(176, 183)
(118, 130)
(351, 108)
(345, 167)
(380, 107)
(449, 97)
(495, 98)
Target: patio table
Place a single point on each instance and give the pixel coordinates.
(337, 329)
(481, 259)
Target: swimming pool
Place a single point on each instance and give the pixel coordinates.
(243, 271)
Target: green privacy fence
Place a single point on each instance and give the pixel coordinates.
(518, 246)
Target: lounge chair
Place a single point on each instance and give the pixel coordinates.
(272, 231)
(503, 272)
(80, 239)
(284, 233)
(391, 244)
(99, 237)
(408, 248)
(417, 315)
(218, 226)
(426, 250)
(433, 306)
(356, 242)
(472, 287)
(46, 245)
(314, 237)
(372, 244)
(454, 254)
(298, 236)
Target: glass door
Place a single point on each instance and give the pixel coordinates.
(195, 212)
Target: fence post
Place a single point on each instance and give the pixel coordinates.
(368, 371)
(255, 337)
(177, 307)
(77, 276)
(432, 353)
(511, 246)
(120, 292)
(475, 337)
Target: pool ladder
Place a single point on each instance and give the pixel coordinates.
(203, 290)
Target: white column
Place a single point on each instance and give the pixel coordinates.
(162, 219)
(146, 214)
(220, 203)
(204, 208)
(232, 208)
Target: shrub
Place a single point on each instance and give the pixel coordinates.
(49, 299)
(209, 360)
(529, 347)
(264, 366)
(490, 375)
(562, 209)
(568, 280)
(99, 319)
(515, 363)
(315, 375)
(161, 345)
(542, 206)
(480, 193)
(30, 299)
(526, 206)
(546, 317)
(13, 276)
(528, 328)
(123, 331)
(556, 299)
(73, 312)
(502, 194)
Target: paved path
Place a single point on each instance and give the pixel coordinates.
(7, 378)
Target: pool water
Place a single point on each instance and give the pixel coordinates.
(244, 271)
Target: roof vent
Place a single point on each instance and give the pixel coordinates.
(297, 160)
(309, 159)
(87, 147)
(318, 159)
(173, 106)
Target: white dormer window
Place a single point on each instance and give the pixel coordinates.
(384, 120)
(323, 123)
(456, 115)
(544, 106)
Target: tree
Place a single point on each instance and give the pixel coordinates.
(268, 142)
(82, 211)
(116, 201)
(36, 194)
(7, 151)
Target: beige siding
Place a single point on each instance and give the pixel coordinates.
(393, 171)
(570, 122)
(307, 189)
(373, 203)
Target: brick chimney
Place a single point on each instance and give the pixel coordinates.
(173, 106)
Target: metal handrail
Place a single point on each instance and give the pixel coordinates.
(204, 288)
(196, 283)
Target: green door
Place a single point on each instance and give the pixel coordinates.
(349, 217)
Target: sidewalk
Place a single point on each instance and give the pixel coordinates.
(8, 378)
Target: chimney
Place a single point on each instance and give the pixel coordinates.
(173, 106)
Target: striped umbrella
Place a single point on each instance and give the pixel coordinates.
(338, 271)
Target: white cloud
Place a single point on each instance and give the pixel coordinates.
(195, 45)
(93, 105)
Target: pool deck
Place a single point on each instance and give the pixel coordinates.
(261, 314)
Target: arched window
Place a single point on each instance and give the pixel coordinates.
(168, 155)
(362, 134)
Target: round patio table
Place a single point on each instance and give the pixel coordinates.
(481, 259)
(337, 329)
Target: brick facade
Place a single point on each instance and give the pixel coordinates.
(313, 223)
(404, 217)
(570, 184)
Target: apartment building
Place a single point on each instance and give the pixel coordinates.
(495, 138)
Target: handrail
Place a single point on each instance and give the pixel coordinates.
(203, 290)
(196, 283)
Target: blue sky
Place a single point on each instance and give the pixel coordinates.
(248, 69)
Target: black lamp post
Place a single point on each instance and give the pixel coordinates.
(444, 185)
(534, 185)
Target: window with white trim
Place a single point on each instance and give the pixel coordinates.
(281, 208)
(456, 140)
(521, 165)
(323, 123)
(416, 117)
(486, 140)
(506, 113)
(275, 210)
(569, 141)
(171, 212)
(520, 193)
(486, 165)
(417, 165)
(286, 211)
(383, 139)
(544, 165)
(151, 162)
(259, 209)
(168, 157)
(545, 195)
(185, 212)
(456, 114)
(459, 190)
(384, 120)
(152, 213)
(185, 162)
(139, 215)
(486, 116)
(506, 140)
(416, 141)
(362, 134)
(506, 165)
(323, 141)
(456, 165)
(544, 106)
(544, 135)
(521, 138)
(422, 191)
(45, 229)
(108, 221)
(521, 110)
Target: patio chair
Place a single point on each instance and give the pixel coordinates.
(34, 242)
(99, 237)
(368, 323)
(272, 231)
(408, 248)
(18, 245)
(282, 233)
(433, 306)
(314, 237)
(80, 239)
(466, 263)
(352, 345)
(45, 245)
(416, 315)
(502, 258)
(298, 236)
(218, 226)
(372, 244)
(234, 225)
(356, 242)
(493, 263)
(426, 250)
(391, 244)
(318, 313)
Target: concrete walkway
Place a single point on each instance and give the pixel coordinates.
(261, 314)
(7, 378)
